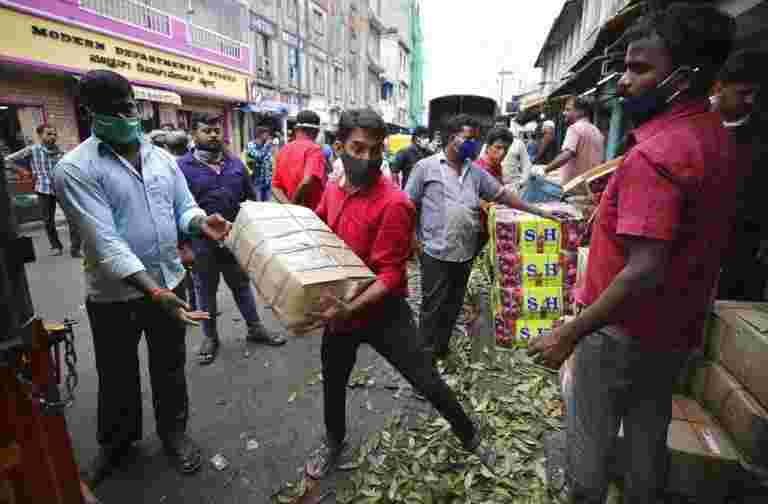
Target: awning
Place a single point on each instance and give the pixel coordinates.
(156, 95)
(267, 106)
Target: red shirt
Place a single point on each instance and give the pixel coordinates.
(485, 165)
(294, 162)
(676, 184)
(377, 224)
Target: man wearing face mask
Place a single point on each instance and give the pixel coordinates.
(447, 189)
(130, 201)
(407, 158)
(219, 184)
(584, 144)
(300, 174)
(375, 218)
(657, 240)
(736, 97)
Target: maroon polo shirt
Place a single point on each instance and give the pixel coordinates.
(377, 224)
(677, 184)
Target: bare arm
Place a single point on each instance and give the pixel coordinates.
(510, 199)
(300, 196)
(643, 274)
(559, 161)
(280, 195)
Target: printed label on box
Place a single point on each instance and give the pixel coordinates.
(529, 236)
(542, 302)
(549, 236)
(553, 271)
(534, 266)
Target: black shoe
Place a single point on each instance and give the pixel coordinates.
(259, 334)
(184, 453)
(482, 448)
(57, 251)
(106, 461)
(76, 254)
(324, 459)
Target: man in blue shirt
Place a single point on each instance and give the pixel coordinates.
(258, 155)
(129, 200)
(219, 184)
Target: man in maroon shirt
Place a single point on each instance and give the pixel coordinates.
(300, 174)
(376, 220)
(660, 230)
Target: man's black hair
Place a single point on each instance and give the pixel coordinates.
(98, 89)
(582, 105)
(40, 129)
(308, 117)
(744, 67)
(206, 119)
(698, 36)
(456, 124)
(420, 132)
(364, 118)
(499, 135)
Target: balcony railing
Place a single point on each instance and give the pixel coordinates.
(207, 39)
(131, 12)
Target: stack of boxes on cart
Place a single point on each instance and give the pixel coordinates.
(535, 271)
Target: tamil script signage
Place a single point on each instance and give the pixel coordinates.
(25, 38)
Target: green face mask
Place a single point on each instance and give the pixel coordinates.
(116, 130)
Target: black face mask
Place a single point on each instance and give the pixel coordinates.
(361, 172)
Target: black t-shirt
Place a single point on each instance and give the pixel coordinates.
(406, 159)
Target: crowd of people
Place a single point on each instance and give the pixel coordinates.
(153, 209)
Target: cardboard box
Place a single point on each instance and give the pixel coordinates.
(745, 420)
(293, 260)
(715, 323)
(739, 341)
(703, 462)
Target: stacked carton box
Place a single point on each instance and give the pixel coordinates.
(535, 261)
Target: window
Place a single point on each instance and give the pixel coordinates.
(263, 54)
(318, 22)
(292, 9)
(338, 81)
(293, 67)
(353, 40)
(318, 77)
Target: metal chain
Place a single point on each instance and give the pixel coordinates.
(47, 405)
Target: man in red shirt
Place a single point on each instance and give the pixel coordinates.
(656, 246)
(376, 220)
(300, 175)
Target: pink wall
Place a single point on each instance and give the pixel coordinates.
(69, 11)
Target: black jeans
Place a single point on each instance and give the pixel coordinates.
(48, 210)
(117, 328)
(396, 338)
(443, 285)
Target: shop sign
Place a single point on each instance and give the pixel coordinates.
(292, 40)
(26, 37)
(262, 25)
(156, 95)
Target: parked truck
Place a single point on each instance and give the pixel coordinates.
(442, 108)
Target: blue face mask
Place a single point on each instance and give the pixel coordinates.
(469, 150)
(649, 104)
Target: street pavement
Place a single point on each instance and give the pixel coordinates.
(269, 396)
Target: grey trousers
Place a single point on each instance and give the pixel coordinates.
(614, 381)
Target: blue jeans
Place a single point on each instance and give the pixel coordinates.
(209, 267)
(263, 193)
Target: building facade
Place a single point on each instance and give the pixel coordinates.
(243, 59)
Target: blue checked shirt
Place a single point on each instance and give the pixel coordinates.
(42, 160)
(259, 158)
(130, 221)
